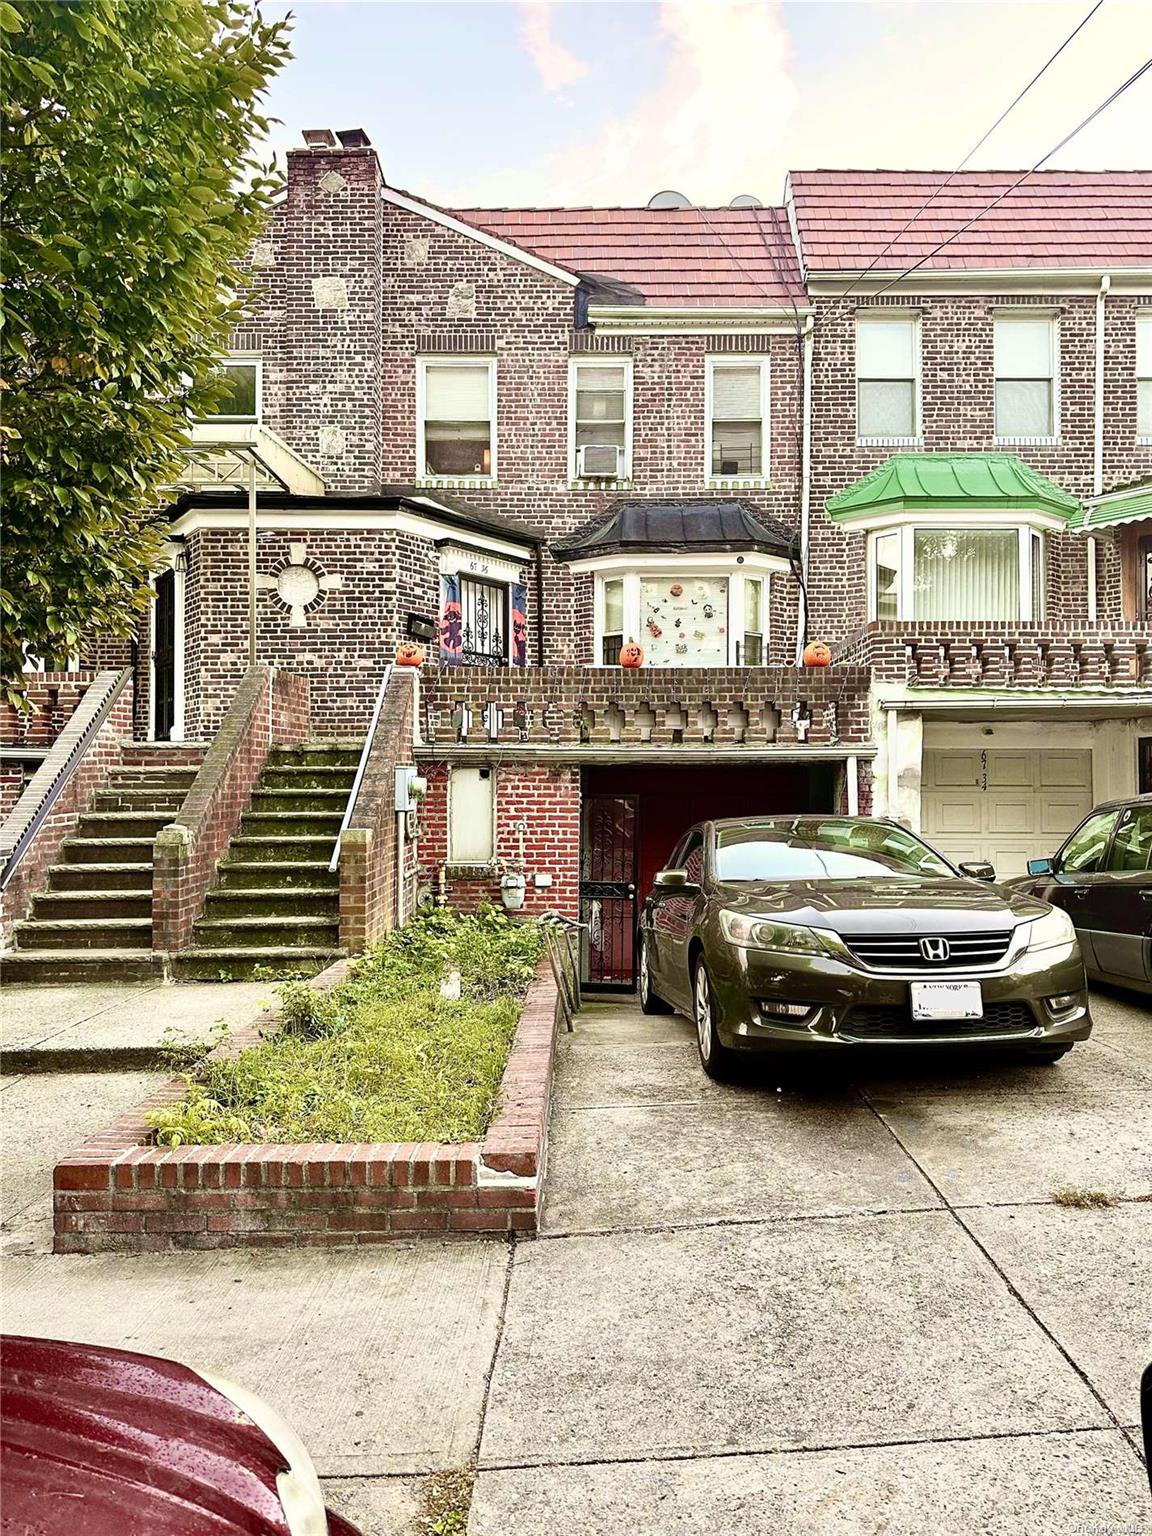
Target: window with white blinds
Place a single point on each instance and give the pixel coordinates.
(1025, 364)
(737, 436)
(1144, 376)
(887, 371)
(599, 405)
(456, 422)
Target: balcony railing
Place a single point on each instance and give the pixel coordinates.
(591, 710)
(927, 655)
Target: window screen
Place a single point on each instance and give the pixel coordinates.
(886, 378)
(457, 421)
(737, 421)
(1024, 358)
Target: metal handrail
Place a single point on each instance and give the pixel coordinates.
(334, 862)
(62, 775)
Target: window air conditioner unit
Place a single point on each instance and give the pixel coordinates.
(600, 461)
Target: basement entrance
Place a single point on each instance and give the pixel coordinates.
(632, 818)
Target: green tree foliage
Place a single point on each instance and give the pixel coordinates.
(130, 198)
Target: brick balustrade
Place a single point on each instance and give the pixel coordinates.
(1003, 655)
(574, 707)
(269, 707)
(121, 1193)
(52, 700)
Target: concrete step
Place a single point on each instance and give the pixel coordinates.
(100, 877)
(298, 800)
(291, 824)
(231, 964)
(157, 777)
(62, 906)
(118, 824)
(317, 754)
(302, 776)
(245, 874)
(165, 801)
(266, 933)
(110, 850)
(310, 850)
(163, 754)
(291, 902)
(105, 933)
(56, 967)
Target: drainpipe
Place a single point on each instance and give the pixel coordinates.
(1098, 435)
(805, 485)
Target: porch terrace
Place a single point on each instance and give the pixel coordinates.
(589, 714)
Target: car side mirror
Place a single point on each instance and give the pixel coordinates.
(1040, 866)
(672, 879)
(978, 869)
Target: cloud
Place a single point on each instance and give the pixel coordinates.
(713, 123)
(556, 65)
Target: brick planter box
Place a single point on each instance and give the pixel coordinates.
(117, 1193)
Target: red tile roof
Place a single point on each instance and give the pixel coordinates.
(672, 256)
(1098, 219)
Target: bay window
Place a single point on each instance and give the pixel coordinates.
(737, 419)
(1025, 364)
(887, 379)
(599, 412)
(612, 625)
(940, 573)
(700, 616)
(752, 647)
(455, 426)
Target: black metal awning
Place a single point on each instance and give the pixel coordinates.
(677, 527)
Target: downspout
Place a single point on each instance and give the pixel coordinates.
(1098, 435)
(805, 485)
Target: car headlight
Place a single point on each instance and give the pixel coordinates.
(1053, 929)
(761, 933)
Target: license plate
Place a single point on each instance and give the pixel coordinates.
(946, 1000)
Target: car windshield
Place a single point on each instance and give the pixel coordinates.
(833, 849)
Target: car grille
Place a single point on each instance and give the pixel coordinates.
(901, 951)
(888, 1021)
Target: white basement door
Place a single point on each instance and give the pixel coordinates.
(1003, 805)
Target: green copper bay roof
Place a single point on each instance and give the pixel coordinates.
(912, 482)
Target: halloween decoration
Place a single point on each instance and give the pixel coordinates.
(676, 589)
(631, 654)
(409, 654)
(817, 654)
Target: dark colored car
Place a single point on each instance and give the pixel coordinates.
(1102, 878)
(810, 933)
(106, 1442)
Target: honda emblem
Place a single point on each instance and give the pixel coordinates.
(935, 949)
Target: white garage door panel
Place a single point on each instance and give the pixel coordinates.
(1004, 806)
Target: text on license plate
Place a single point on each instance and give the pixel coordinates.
(946, 1000)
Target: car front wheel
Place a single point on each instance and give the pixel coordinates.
(649, 1002)
(716, 1059)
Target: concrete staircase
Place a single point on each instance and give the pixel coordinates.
(275, 908)
(93, 919)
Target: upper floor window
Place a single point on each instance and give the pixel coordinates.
(241, 400)
(1144, 376)
(599, 413)
(1025, 363)
(737, 419)
(887, 379)
(942, 574)
(456, 420)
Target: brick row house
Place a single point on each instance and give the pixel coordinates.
(529, 438)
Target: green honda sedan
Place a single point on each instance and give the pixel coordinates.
(817, 933)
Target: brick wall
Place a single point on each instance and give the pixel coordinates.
(52, 700)
(101, 756)
(268, 707)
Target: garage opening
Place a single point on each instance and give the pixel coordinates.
(633, 817)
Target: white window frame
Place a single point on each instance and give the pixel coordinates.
(455, 360)
(740, 360)
(910, 527)
(452, 856)
(599, 360)
(1143, 318)
(244, 360)
(715, 566)
(892, 317)
(1019, 317)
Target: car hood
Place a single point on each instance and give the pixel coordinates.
(909, 905)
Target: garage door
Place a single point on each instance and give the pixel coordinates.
(1002, 805)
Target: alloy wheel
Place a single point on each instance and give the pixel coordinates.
(703, 1013)
(644, 979)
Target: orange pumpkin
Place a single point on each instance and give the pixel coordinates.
(409, 654)
(817, 654)
(631, 655)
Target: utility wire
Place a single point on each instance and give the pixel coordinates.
(1067, 139)
(1012, 105)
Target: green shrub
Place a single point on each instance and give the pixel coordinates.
(382, 1057)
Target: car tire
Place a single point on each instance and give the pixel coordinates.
(716, 1059)
(649, 1002)
(1048, 1054)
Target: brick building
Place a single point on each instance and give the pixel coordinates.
(530, 436)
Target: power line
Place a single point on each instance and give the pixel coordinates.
(979, 144)
(1067, 139)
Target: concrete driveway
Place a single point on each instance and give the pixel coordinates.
(829, 1303)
